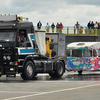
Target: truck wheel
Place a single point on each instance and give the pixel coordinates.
(28, 71)
(59, 69)
(80, 72)
(23, 76)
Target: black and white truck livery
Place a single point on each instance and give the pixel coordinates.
(22, 50)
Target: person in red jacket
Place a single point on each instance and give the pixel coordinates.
(60, 27)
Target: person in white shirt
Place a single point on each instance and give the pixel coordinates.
(47, 27)
(96, 24)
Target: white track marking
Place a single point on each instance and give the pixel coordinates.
(50, 92)
(17, 92)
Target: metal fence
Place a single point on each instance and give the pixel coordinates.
(74, 31)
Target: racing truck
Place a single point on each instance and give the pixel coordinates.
(23, 49)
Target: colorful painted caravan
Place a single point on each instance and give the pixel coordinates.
(82, 56)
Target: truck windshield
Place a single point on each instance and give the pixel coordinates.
(7, 36)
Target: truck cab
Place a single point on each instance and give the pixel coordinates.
(23, 50)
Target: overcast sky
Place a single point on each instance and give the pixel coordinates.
(66, 11)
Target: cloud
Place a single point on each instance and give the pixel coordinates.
(83, 2)
(65, 11)
(41, 6)
(68, 15)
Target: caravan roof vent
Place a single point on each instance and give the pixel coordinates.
(80, 44)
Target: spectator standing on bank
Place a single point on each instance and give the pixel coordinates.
(81, 30)
(52, 26)
(47, 27)
(89, 25)
(77, 25)
(60, 27)
(96, 25)
(92, 24)
(57, 27)
(76, 28)
(39, 24)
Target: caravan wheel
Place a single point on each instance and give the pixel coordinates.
(80, 72)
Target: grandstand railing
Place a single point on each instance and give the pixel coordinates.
(69, 31)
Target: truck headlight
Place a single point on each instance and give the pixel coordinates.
(4, 57)
(8, 57)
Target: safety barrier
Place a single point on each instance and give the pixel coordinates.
(74, 31)
(81, 32)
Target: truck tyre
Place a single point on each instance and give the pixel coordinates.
(28, 71)
(23, 76)
(80, 72)
(59, 69)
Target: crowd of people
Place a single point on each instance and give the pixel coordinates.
(90, 24)
(58, 26)
(77, 26)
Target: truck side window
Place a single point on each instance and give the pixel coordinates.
(94, 53)
(76, 53)
(87, 53)
(34, 44)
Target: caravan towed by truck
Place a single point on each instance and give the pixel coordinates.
(23, 49)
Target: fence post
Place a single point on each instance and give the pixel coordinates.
(88, 31)
(67, 30)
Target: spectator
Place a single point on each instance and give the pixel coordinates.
(96, 25)
(47, 27)
(60, 27)
(53, 54)
(52, 26)
(77, 25)
(92, 24)
(57, 27)
(89, 25)
(81, 30)
(39, 24)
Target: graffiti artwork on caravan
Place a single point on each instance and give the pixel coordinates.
(83, 56)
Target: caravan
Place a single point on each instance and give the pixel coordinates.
(83, 56)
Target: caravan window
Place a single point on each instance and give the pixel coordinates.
(87, 53)
(76, 53)
(99, 52)
(94, 53)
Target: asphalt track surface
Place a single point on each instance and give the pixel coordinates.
(70, 87)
